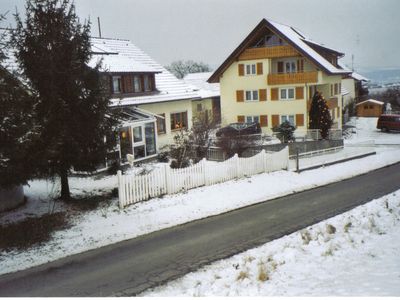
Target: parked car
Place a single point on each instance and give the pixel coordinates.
(234, 129)
(388, 122)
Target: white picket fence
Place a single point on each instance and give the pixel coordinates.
(137, 188)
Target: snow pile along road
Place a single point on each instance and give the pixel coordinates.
(353, 254)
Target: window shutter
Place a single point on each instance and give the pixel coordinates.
(274, 94)
(263, 120)
(263, 95)
(241, 69)
(259, 68)
(240, 119)
(275, 120)
(299, 120)
(280, 66)
(128, 87)
(239, 96)
(299, 92)
(300, 65)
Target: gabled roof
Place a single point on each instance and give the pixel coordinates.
(126, 56)
(371, 101)
(359, 77)
(293, 37)
(199, 82)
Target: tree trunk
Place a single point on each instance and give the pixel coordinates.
(65, 194)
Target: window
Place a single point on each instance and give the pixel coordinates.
(251, 69)
(199, 107)
(178, 120)
(290, 67)
(252, 95)
(289, 118)
(137, 83)
(137, 134)
(147, 83)
(116, 84)
(252, 119)
(161, 124)
(287, 93)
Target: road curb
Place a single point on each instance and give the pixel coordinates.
(336, 161)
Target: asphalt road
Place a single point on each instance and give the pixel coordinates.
(129, 267)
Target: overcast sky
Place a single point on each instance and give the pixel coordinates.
(209, 30)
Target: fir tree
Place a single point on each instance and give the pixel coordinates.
(320, 117)
(16, 128)
(71, 105)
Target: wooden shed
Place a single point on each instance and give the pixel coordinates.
(369, 108)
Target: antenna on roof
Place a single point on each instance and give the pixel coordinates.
(352, 62)
(98, 23)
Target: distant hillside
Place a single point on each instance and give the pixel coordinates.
(383, 76)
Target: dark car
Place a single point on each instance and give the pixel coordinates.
(388, 122)
(235, 129)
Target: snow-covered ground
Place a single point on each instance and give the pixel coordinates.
(358, 256)
(108, 224)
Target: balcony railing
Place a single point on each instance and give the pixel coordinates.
(292, 78)
(268, 52)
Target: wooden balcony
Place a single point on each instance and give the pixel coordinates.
(292, 78)
(270, 52)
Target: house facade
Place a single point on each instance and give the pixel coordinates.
(210, 103)
(272, 75)
(151, 103)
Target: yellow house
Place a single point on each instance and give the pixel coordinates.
(272, 75)
(150, 102)
(209, 104)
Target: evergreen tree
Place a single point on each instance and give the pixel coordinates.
(320, 117)
(16, 128)
(71, 105)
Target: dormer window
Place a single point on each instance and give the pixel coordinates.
(147, 83)
(116, 84)
(133, 84)
(137, 83)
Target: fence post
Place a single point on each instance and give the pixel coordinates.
(167, 179)
(120, 189)
(237, 165)
(287, 157)
(264, 157)
(297, 160)
(203, 165)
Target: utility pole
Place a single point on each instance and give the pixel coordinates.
(98, 23)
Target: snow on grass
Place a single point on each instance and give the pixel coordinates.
(108, 224)
(352, 254)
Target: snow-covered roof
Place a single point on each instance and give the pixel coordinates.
(293, 37)
(170, 88)
(300, 41)
(199, 82)
(115, 63)
(371, 101)
(359, 77)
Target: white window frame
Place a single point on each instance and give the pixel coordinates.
(287, 93)
(118, 80)
(250, 69)
(252, 93)
(287, 117)
(292, 66)
(253, 119)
